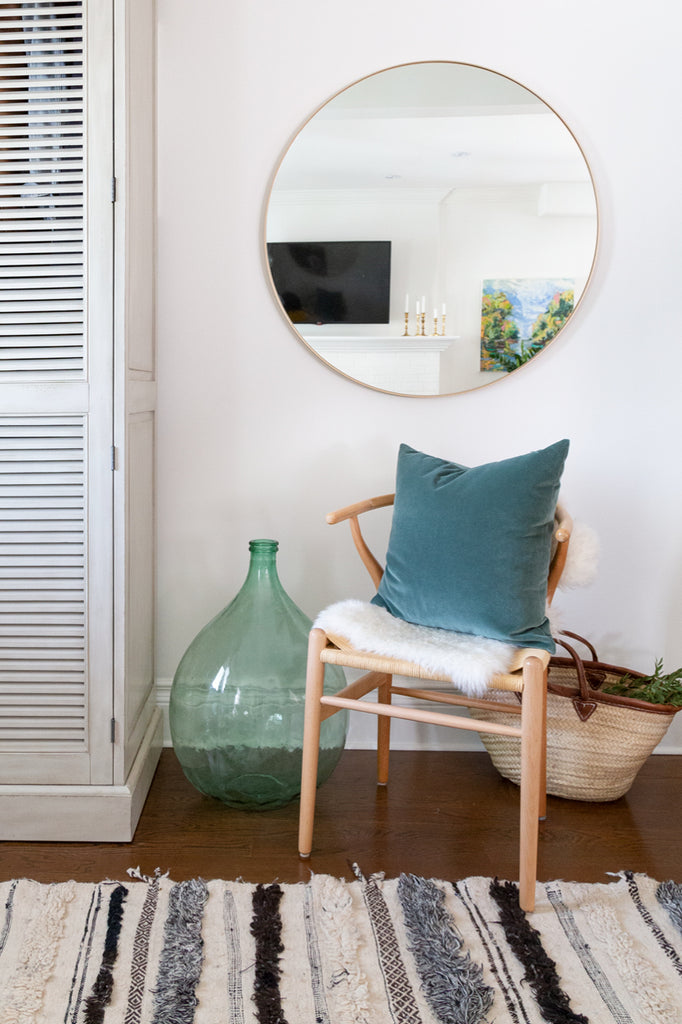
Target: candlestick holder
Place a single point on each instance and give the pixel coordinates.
(442, 325)
(407, 322)
(422, 331)
(435, 325)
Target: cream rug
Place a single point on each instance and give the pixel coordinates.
(372, 951)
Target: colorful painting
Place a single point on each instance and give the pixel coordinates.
(519, 316)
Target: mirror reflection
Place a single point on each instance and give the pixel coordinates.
(431, 228)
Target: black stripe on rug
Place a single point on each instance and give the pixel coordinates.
(100, 997)
(82, 963)
(669, 951)
(266, 928)
(539, 968)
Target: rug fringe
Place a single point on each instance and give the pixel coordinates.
(136, 873)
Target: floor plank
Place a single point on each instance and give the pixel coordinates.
(443, 815)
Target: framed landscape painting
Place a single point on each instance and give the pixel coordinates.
(519, 316)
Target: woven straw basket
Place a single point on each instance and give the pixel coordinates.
(596, 742)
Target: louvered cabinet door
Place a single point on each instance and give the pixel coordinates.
(56, 246)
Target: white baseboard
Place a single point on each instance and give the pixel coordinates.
(92, 814)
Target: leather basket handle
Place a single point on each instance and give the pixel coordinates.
(583, 701)
(581, 639)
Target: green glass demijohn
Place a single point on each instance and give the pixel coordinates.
(237, 699)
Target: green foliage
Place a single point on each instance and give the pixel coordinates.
(554, 317)
(659, 688)
(498, 330)
(509, 358)
(496, 322)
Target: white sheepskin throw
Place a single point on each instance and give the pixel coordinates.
(582, 558)
(469, 661)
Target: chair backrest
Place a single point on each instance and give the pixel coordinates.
(563, 526)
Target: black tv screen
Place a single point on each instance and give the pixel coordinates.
(332, 282)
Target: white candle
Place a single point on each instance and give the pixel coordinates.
(407, 302)
(443, 309)
(417, 307)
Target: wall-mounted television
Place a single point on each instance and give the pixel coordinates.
(332, 282)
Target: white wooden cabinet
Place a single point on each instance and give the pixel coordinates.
(80, 733)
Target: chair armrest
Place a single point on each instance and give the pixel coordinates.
(350, 511)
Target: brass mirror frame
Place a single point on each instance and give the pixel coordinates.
(272, 184)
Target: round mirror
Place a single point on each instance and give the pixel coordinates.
(431, 228)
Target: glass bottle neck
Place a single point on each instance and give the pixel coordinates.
(263, 564)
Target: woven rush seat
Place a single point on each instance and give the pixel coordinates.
(364, 636)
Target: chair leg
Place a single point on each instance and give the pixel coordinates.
(532, 736)
(311, 740)
(383, 734)
(542, 814)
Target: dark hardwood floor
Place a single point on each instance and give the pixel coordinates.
(443, 815)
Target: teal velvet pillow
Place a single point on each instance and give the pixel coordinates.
(469, 548)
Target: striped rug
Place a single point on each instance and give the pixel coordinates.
(371, 951)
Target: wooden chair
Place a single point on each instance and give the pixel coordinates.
(527, 676)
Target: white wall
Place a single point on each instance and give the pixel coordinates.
(257, 438)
